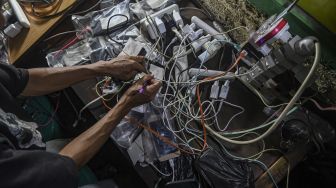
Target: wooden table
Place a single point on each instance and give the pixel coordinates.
(279, 169)
(19, 45)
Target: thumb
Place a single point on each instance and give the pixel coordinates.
(138, 59)
(154, 86)
(138, 67)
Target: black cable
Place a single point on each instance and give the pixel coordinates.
(117, 27)
(221, 60)
(200, 6)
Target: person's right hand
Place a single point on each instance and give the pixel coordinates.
(133, 98)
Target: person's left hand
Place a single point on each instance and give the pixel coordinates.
(122, 68)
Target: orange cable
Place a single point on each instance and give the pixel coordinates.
(158, 135)
(155, 133)
(241, 55)
(104, 103)
(202, 119)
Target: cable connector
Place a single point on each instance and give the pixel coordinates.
(211, 48)
(188, 28)
(224, 90)
(113, 88)
(197, 44)
(171, 163)
(13, 30)
(178, 19)
(244, 53)
(214, 90)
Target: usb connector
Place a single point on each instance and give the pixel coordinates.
(214, 90)
(224, 90)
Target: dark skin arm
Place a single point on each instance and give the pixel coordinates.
(47, 80)
(86, 145)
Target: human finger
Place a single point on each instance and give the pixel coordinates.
(138, 67)
(154, 87)
(147, 78)
(138, 59)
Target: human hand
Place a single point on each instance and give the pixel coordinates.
(135, 96)
(122, 68)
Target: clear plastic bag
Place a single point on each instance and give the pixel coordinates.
(127, 131)
(134, 46)
(146, 7)
(74, 55)
(109, 3)
(154, 118)
(148, 147)
(98, 21)
(93, 47)
(103, 49)
(89, 50)
(140, 9)
(161, 122)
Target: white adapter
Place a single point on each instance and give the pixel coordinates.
(178, 19)
(160, 25)
(13, 29)
(214, 90)
(211, 49)
(21, 16)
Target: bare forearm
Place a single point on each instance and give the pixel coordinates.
(86, 145)
(46, 80)
(82, 148)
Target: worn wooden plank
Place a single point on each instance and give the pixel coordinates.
(28, 37)
(279, 168)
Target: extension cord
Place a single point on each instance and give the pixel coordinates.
(210, 73)
(211, 48)
(148, 23)
(208, 29)
(159, 14)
